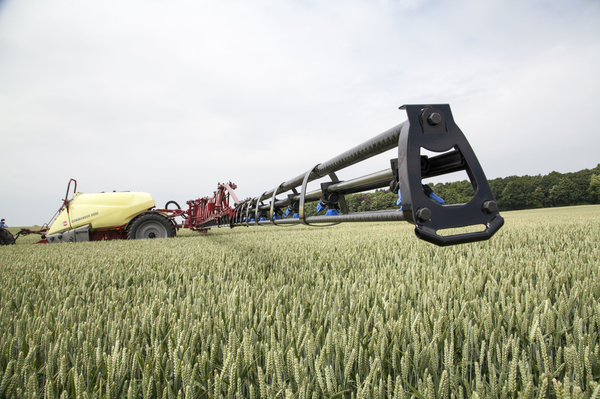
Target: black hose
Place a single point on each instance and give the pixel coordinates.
(172, 202)
(184, 216)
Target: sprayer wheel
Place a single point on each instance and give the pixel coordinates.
(6, 237)
(151, 225)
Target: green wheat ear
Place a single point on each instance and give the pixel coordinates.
(352, 311)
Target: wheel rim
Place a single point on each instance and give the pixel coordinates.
(151, 229)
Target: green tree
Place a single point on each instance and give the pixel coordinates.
(581, 185)
(548, 181)
(522, 193)
(364, 202)
(352, 203)
(498, 185)
(563, 193)
(594, 188)
(458, 192)
(383, 199)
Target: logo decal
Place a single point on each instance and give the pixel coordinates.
(65, 223)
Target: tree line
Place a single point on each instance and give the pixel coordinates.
(511, 193)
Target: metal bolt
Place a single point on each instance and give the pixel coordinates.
(423, 214)
(434, 119)
(489, 207)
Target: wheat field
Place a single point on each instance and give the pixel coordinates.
(351, 311)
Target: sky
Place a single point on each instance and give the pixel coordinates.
(173, 97)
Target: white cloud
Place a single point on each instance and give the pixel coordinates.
(171, 98)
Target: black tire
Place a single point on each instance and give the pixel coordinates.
(151, 225)
(6, 237)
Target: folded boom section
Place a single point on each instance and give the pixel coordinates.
(428, 127)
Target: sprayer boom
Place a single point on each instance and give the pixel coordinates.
(429, 127)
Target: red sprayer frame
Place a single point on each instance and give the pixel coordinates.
(204, 213)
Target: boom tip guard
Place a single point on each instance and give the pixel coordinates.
(432, 127)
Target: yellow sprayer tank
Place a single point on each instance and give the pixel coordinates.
(101, 210)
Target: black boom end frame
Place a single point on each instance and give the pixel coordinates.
(432, 127)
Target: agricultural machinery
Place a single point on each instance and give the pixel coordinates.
(132, 215)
